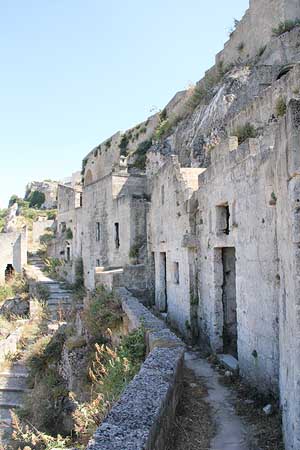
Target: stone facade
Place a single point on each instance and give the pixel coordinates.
(13, 252)
(173, 252)
(114, 220)
(67, 244)
(39, 227)
(211, 225)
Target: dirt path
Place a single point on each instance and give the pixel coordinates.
(206, 418)
(231, 432)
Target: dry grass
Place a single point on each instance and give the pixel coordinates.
(193, 427)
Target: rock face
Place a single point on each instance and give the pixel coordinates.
(15, 307)
(48, 188)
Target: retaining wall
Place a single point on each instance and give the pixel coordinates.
(141, 419)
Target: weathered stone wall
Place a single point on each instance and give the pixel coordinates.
(243, 179)
(13, 250)
(115, 199)
(168, 224)
(288, 238)
(254, 30)
(68, 246)
(39, 228)
(142, 417)
(263, 109)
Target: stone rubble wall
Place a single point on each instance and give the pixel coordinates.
(141, 419)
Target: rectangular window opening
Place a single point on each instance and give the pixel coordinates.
(98, 231)
(223, 219)
(162, 194)
(117, 235)
(176, 273)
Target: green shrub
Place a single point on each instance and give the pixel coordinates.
(204, 92)
(123, 145)
(245, 132)
(280, 108)
(36, 199)
(6, 291)
(52, 265)
(141, 154)
(13, 199)
(51, 215)
(69, 234)
(42, 291)
(47, 237)
(162, 129)
(79, 273)
(285, 26)
(102, 312)
(3, 214)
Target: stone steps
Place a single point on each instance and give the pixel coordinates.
(59, 298)
(11, 397)
(13, 383)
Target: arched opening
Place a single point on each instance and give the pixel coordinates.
(88, 177)
(9, 272)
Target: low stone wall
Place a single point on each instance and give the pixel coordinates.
(141, 419)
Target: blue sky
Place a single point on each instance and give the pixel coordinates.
(73, 72)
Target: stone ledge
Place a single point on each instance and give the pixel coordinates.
(141, 419)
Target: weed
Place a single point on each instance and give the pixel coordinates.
(280, 108)
(285, 26)
(245, 132)
(69, 234)
(141, 154)
(103, 311)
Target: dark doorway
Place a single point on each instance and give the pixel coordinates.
(229, 301)
(9, 272)
(117, 235)
(163, 282)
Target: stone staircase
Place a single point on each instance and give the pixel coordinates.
(12, 388)
(59, 301)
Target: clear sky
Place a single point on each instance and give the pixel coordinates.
(73, 72)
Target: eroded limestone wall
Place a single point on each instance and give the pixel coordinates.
(168, 224)
(242, 180)
(288, 220)
(254, 30)
(114, 205)
(13, 250)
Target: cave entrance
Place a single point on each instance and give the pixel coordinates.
(9, 272)
(229, 301)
